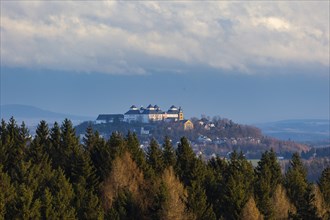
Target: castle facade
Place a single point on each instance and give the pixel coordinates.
(152, 114)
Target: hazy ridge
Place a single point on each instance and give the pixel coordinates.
(303, 130)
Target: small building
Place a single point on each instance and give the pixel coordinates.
(187, 125)
(109, 118)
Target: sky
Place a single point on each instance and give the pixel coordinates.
(251, 62)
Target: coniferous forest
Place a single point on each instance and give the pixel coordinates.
(55, 176)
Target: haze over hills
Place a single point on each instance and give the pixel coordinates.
(32, 115)
(303, 130)
(298, 130)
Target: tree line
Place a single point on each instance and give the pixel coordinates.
(54, 176)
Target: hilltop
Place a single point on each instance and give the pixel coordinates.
(217, 136)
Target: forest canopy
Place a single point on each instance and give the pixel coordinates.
(54, 175)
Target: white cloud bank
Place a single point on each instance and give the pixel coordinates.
(129, 37)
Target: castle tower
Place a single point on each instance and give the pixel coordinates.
(180, 114)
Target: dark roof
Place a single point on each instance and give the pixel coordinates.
(150, 106)
(133, 112)
(184, 121)
(133, 106)
(108, 117)
(156, 106)
(172, 111)
(173, 106)
(147, 111)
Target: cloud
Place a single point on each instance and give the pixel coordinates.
(129, 37)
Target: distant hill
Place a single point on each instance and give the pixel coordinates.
(218, 136)
(32, 115)
(306, 130)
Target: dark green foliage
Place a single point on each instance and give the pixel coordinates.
(268, 176)
(124, 207)
(307, 209)
(85, 185)
(69, 146)
(116, 144)
(192, 172)
(14, 147)
(299, 190)
(100, 153)
(237, 186)
(7, 195)
(133, 146)
(47, 208)
(41, 143)
(185, 161)
(214, 178)
(53, 176)
(324, 184)
(63, 195)
(90, 139)
(154, 157)
(54, 152)
(169, 156)
(296, 180)
(198, 204)
(26, 207)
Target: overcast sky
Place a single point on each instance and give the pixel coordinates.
(238, 59)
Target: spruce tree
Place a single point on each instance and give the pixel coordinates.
(7, 195)
(169, 156)
(154, 157)
(54, 152)
(268, 176)
(47, 208)
(307, 208)
(3, 132)
(197, 202)
(192, 172)
(299, 190)
(69, 146)
(296, 180)
(101, 157)
(214, 191)
(116, 144)
(324, 184)
(89, 140)
(40, 144)
(137, 153)
(185, 161)
(27, 207)
(63, 195)
(86, 185)
(23, 136)
(15, 147)
(237, 186)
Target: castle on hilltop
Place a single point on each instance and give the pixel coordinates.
(143, 115)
